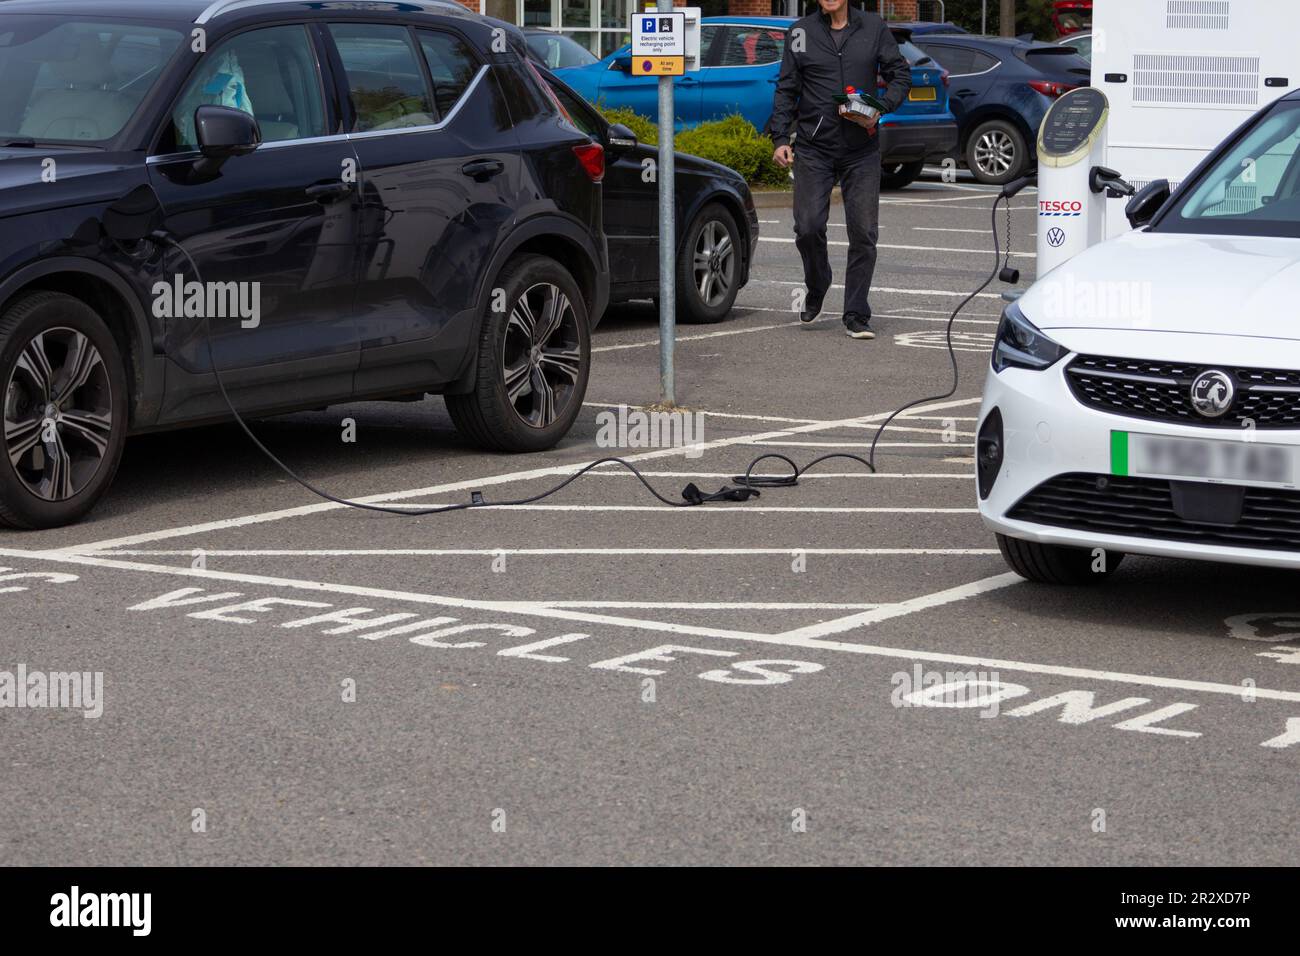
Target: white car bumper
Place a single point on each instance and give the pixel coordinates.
(1048, 432)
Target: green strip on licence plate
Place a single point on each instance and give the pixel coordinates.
(1119, 453)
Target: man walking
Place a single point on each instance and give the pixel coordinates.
(826, 52)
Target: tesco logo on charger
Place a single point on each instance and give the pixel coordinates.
(1060, 207)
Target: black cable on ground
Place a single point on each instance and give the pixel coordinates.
(691, 495)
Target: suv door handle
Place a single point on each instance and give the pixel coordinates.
(483, 169)
(326, 193)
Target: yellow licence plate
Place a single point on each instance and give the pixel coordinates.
(922, 93)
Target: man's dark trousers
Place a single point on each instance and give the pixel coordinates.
(858, 174)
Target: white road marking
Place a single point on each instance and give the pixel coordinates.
(887, 290)
(800, 637)
(903, 608)
(728, 475)
(978, 232)
(708, 606)
(739, 508)
(882, 245)
(528, 552)
(552, 471)
(863, 444)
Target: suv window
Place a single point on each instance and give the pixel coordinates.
(751, 46)
(78, 81)
(385, 79)
(578, 112)
(452, 65)
(269, 73)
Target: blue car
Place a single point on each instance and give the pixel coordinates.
(740, 60)
(1001, 89)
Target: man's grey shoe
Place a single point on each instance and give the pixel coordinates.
(857, 327)
(812, 309)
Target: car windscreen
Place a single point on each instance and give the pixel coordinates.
(76, 81)
(1252, 189)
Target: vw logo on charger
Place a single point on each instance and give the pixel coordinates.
(1055, 236)
(1212, 392)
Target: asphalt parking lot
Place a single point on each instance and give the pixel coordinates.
(597, 678)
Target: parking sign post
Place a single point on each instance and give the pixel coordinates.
(659, 49)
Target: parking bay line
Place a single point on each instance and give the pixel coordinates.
(474, 484)
(837, 242)
(744, 508)
(528, 552)
(793, 323)
(800, 637)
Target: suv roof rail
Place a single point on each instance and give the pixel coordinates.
(218, 7)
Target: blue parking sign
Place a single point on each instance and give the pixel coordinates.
(648, 24)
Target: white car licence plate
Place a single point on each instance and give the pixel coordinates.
(1235, 461)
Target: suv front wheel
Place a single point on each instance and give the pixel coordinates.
(65, 410)
(534, 358)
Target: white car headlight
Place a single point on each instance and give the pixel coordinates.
(1021, 345)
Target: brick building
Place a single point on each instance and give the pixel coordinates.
(601, 25)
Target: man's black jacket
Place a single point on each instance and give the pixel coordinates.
(813, 70)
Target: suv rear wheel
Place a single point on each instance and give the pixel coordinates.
(534, 359)
(1057, 564)
(708, 267)
(65, 410)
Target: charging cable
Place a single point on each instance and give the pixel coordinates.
(748, 484)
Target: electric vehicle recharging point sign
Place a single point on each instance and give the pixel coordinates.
(658, 43)
(1071, 141)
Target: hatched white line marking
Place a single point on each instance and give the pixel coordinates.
(708, 606)
(904, 608)
(740, 508)
(531, 552)
(801, 637)
(956, 475)
(552, 471)
(779, 443)
(881, 290)
(882, 245)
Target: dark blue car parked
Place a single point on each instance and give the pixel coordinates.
(1001, 89)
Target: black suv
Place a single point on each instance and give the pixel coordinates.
(326, 201)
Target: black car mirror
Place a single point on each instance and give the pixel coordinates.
(1142, 208)
(223, 133)
(621, 138)
(623, 63)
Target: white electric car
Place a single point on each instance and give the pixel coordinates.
(1144, 397)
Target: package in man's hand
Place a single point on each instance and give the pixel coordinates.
(861, 103)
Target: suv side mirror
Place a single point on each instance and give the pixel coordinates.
(223, 133)
(1142, 208)
(621, 138)
(623, 63)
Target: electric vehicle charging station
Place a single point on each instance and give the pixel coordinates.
(1071, 147)
(1180, 77)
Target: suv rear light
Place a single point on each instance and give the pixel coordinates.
(945, 75)
(1049, 88)
(592, 157)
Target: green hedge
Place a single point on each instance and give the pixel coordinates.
(732, 142)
